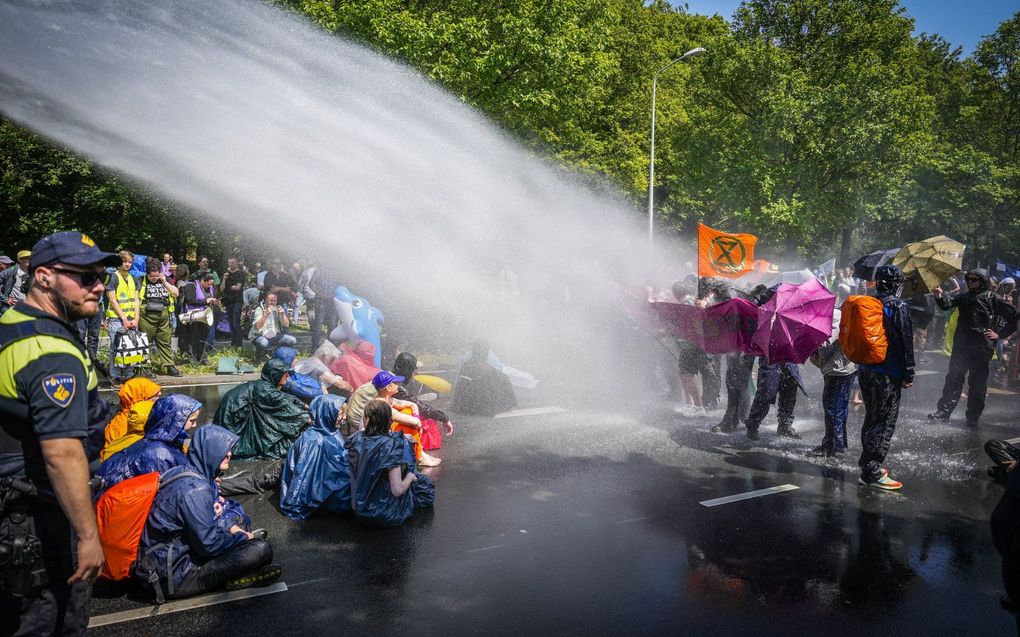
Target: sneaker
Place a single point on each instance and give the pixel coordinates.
(720, 429)
(262, 577)
(819, 452)
(173, 371)
(939, 415)
(696, 412)
(788, 432)
(884, 483)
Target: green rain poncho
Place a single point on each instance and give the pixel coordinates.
(266, 419)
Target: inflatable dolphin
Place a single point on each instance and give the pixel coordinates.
(358, 320)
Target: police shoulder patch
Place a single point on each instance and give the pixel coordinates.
(59, 388)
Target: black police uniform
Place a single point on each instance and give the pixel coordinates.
(48, 390)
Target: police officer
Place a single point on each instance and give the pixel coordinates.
(50, 409)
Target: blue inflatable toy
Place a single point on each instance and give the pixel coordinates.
(358, 320)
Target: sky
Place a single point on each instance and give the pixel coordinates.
(962, 22)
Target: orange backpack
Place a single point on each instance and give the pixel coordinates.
(121, 513)
(862, 330)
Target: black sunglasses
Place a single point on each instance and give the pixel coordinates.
(88, 279)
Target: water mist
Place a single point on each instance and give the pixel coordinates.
(335, 153)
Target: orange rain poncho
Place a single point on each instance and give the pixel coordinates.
(133, 391)
(138, 415)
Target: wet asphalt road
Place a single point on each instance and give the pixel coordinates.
(589, 522)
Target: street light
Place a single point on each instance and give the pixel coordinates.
(651, 164)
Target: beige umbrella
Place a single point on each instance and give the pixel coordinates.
(927, 263)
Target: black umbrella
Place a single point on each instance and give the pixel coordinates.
(864, 268)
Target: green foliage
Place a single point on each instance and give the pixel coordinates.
(824, 126)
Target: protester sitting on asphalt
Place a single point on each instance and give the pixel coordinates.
(157, 298)
(138, 415)
(300, 385)
(838, 371)
(384, 386)
(130, 393)
(266, 418)
(315, 367)
(316, 474)
(1005, 526)
(404, 367)
(1004, 455)
(161, 447)
(185, 550)
(481, 388)
(385, 489)
(973, 345)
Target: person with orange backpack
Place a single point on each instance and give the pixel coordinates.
(884, 369)
(185, 550)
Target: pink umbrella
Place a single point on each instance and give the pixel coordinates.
(795, 322)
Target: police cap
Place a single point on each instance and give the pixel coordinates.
(72, 248)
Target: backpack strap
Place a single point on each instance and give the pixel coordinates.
(153, 578)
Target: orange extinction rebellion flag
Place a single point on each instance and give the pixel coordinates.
(722, 254)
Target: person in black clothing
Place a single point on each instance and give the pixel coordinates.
(405, 365)
(279, 283)
(1005, 525)
(882, 383)
(231, 290)
(777, 383)
(738, 370)
(973, 346)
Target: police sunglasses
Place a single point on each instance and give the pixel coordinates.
(87, 279)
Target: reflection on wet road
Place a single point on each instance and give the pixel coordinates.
(589, 521)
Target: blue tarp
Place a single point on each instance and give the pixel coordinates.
(317, 474)
(371, 458)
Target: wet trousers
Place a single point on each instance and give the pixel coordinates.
(774, 382)
(214, 574)
(836, 405)
(881, 395)
(260, 478)
(970, 360)
(738, 375)
(711, 379)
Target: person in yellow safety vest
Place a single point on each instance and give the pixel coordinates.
(121, 313)
(53, 421)
(156, 300)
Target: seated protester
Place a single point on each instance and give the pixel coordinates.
(161, 447)
(137, 417)
(405, 366)
(133, 391)
(316, 474)
(269, 328)
(184, 549)
(301, 385)
(266, 418)
(385, 490)
(1005, 457)
(481, 388)
(309, 370)
(404, 413)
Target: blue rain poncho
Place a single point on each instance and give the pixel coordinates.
(182, 517)
(266, 418)
(302, 386)
(371, 458)
(317, 474)
(162, 446)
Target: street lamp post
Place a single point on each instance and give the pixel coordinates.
(651, 164)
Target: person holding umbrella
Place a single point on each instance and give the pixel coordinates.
(973, 346)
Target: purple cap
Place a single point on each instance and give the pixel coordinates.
(6, 260)
(384, 378)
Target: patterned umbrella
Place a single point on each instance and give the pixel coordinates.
(795, 322)
(926, 264)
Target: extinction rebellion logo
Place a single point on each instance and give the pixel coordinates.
(727, 255)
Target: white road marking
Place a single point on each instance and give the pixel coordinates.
(925, 372)
(184, 604)
(537, 411)
(484, 548)
(747, 496)
(632, 520)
